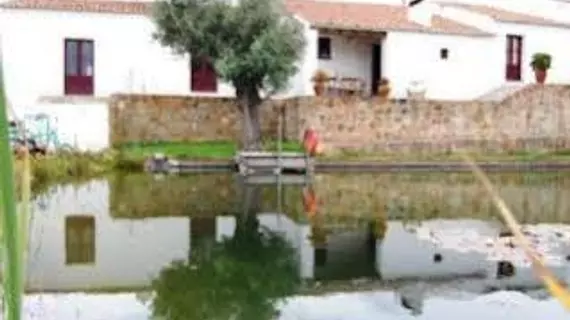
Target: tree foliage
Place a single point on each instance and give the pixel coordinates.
(253, 44)
(241, 278)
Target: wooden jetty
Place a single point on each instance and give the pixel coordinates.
(253, 162)
(275, 179)
(159, 163)
(262, 166)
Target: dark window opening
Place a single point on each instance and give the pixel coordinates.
(444, 53)
(324, 48)
(505, 269)
(320, 256)
(79, 240)
(437, 258)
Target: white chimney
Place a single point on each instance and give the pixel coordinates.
(422, 12)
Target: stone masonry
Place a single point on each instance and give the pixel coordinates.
(535, 118)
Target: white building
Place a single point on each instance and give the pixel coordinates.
(66, 57)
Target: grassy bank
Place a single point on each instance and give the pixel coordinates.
(222, 150)
(62, 168)
(200, 150)
(71, 167)
(449, 157)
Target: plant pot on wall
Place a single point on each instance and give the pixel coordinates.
(319, 88)
(384, 89)
(319, 79)
(540, 76)
(540, 63)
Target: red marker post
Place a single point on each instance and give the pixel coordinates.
(311, 142)
(310, 201)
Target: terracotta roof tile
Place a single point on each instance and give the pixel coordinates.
(503, 15)
(371, 17)
(101, 6)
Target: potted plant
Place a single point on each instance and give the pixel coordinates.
(384, 88)
(320, 78)
(540, 64)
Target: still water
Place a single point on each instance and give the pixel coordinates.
(418, 235)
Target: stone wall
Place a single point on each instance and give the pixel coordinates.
(537, 117)
(149, 118)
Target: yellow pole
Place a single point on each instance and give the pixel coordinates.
(556, 289)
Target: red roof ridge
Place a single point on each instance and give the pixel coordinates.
(373, 17)
(506, 15)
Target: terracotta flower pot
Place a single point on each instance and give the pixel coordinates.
(384, 91)
(319, 88)
(540, 75)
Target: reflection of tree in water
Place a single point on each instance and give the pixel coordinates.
(240, 278)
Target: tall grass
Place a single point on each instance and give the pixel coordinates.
(12, 257)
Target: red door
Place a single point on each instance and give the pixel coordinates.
(514, 57)
(203, 76)
(79, 67)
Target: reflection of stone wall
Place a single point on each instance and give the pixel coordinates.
(537, 117)
(348, 200)
(141, 196)
(532, 198)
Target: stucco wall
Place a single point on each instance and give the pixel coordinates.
(535, 118)
(536, 38)
(82, 125)
(472, 68)
(127, 59)
(543, 39)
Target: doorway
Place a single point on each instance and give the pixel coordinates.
(514, 58)
(376, 68)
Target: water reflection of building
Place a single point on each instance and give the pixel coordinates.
(452, 248)
(75, 244)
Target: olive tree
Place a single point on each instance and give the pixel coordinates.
(253, 45)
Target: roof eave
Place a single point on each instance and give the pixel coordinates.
(410, 30)
(539, 24)
(7, 6)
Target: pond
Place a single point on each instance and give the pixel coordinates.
(242, 247)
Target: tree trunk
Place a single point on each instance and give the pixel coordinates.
(249, 103)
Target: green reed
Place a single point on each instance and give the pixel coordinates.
(11, 257)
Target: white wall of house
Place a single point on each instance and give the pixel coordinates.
(82, 125)
(535, 39)
(127, 59)
(300, 84)
(473, 66)
(541, 39)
